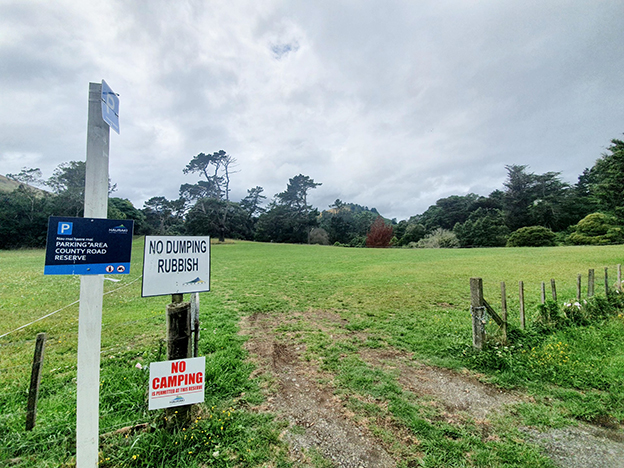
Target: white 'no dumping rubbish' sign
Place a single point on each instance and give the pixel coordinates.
(176, 265)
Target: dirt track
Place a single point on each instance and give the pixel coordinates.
(321, 426)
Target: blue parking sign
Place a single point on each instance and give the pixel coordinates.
(88, 246)
(65, 228)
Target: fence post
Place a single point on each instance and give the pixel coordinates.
(606, 281)
(504, 311)
(590, 283)
(619, 277)
(35, 380)
(543, 295)
(478, 311)
(554, 289)
(178, 347)
(578, 287)
(521, 288)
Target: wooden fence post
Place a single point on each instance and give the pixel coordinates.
(504, 311)
(590, 283)
(178, 347)
(554, 289)
(543, 295)
(35, 380)
(619, 277)
(579, 279)
(606, 281)
(477, 308)
(521, 288)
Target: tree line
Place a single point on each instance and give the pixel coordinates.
(530, 209)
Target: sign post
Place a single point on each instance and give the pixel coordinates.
(176, 265)
(91, 290)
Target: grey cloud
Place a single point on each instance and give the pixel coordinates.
(388, 104)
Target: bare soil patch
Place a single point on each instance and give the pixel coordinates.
(457, 391)
(320, 424)
(318, 420)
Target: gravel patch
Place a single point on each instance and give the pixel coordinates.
(581, 447)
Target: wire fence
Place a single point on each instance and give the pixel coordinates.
(58, 379)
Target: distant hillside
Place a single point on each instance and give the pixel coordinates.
(8, 185)
(352, 207)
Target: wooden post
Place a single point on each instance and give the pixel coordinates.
(522, 321)
(178, 347)
(590, 283)
(579, 279)
(606, 281)
(619, 277)
(554, 289)
(35, 380)
(478, 311)
(543, 296)
(178, 330)
(504, 311)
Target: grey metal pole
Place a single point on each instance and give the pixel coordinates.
(91, 289)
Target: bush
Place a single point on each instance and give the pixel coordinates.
(597, 229)
(532, 236)
(413, 233)
(439, 239)
(380, 234)
(319, 236)
(484, 228)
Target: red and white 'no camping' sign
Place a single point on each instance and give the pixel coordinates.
(176, 383)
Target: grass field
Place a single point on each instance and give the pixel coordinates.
(415, 301)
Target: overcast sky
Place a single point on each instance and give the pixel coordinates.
(389, 104)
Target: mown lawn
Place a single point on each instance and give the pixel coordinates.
(412, 300)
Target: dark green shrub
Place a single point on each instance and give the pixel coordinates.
(484, 228)
(413, 233)
(597, 229)
(532, 236)
(358, 241)
(550, 318)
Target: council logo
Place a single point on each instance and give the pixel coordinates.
(197, 280)
(121, 229)
(177, 399)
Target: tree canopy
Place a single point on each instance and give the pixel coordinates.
(542, 205)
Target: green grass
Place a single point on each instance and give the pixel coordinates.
(411, 300)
